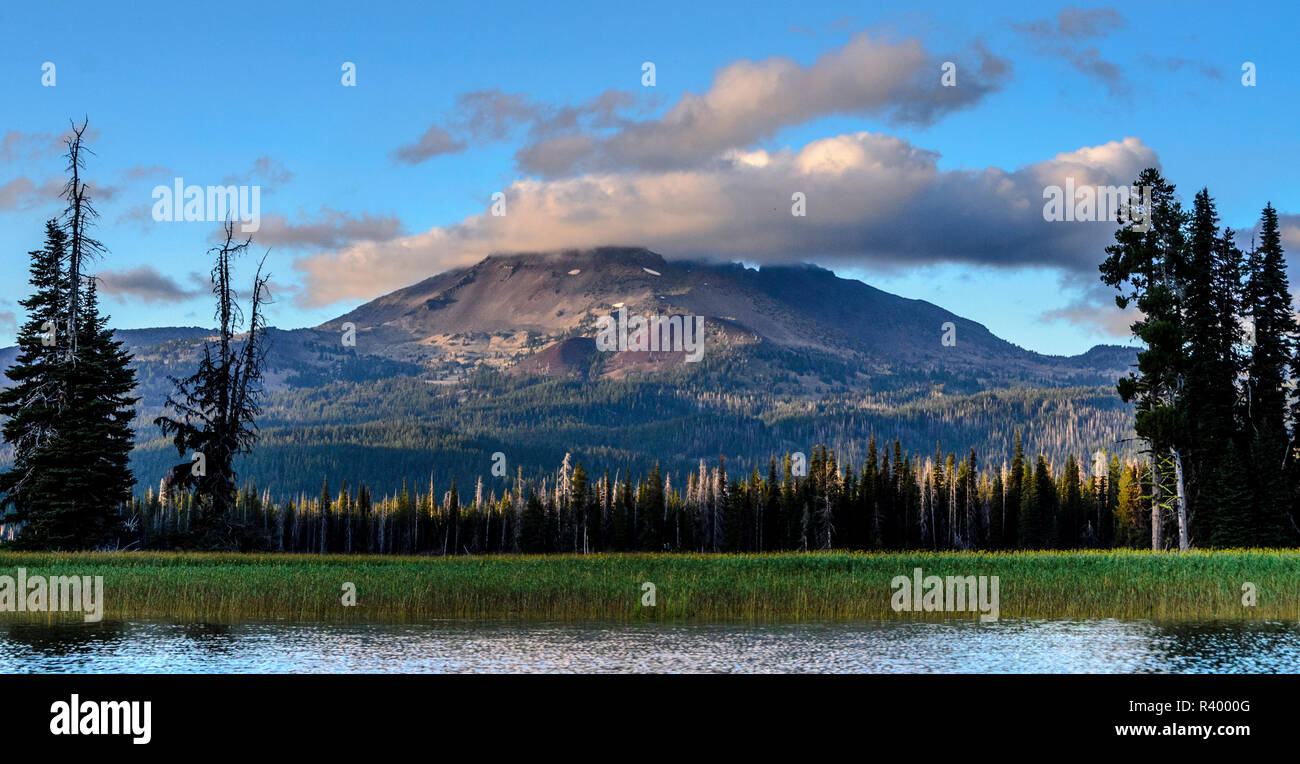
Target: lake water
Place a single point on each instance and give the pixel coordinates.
(1099, 646)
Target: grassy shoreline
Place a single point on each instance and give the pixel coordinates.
(829, 586)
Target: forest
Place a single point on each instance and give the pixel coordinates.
(893, 501)
(1214, 463)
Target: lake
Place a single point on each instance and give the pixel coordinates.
(1008, 646)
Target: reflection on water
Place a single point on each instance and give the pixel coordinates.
(1103, 646)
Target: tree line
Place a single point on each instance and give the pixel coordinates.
(893, 501)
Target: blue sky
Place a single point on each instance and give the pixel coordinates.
(917, 201)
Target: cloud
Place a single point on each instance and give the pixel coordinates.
(1059, 39)
(145, 284)
(24, 194)
(896, 81)
(264, 169)
(15, 193)
(1247, 236)
(1106, 319)
(1290, 227)
(1096, 310)
(1074, 24)
(8, 322)
(1178, 64)
(141, 214)
(17, 145)
(748, 101)
(140, 172)
(330, 229)
(494, 115)
(872, 200)
(1089, 63)
(104, 193)
(434, 142)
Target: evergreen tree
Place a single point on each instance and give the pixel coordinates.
(1207, 398)
(581, 506)
(532, 526)
(98, 424)
(1148, 267)
(1225, 513)
(1015, 484)
(771, 522)
(68, 415)
(32, 407)
(452, 542)
(1071, 511)
(997, 499)
(1106, 533)
(1268, 308)
(1127, 511)
(1272, 344)
(721, 505)
(870, 487)
(1037, 507)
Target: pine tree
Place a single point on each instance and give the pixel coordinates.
(1207, 398)
(1037, 507)
(771, 521)
(69, 413)
(1127, 510)
(1268, 307)
(581, 506)
(32, 406)
(1272, 345)
(1106, 523)
(1015, 483)
(98, 424)
(532, 526)
(1225, 511)
(997, 507)
(1071, 512)
(1149, 269)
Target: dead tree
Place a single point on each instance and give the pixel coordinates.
(214, 411)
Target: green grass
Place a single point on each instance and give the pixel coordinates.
(771, 587)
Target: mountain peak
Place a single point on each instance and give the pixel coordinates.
(509, 306)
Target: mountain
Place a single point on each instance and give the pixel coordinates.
(507, 307)
(502, 357)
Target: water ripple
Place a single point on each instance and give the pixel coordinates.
(1011, 646)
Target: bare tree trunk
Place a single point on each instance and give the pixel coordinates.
(1183, 541)
(1155, 505)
